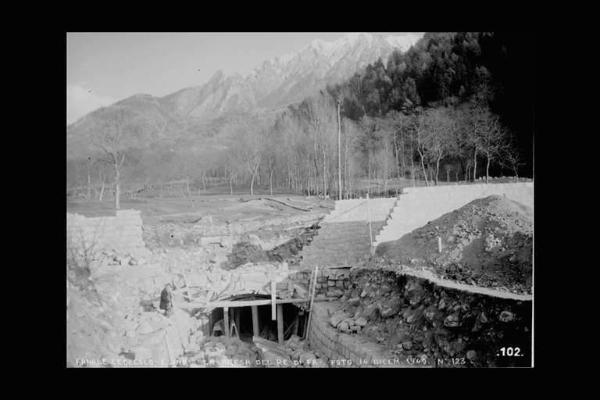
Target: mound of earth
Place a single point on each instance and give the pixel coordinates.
(488, 243)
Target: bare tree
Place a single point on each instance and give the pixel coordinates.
(448, 168)
(488, 137)
(271, 161)
(111, 141)
(89, 178)
(339, 105)
(421, 142)
(510, 157)
(231, 169)
(250, 148)
(440, 131)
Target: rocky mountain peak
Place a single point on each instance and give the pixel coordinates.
(274, 84)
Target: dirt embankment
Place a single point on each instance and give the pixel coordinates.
(487, 243)
(250, 250)
(448, 328)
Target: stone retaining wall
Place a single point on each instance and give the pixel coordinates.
(121, 233)
(345, 350)
(331, 283)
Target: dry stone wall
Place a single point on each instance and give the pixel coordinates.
(331, 283)
(345, 350)
(121, 233)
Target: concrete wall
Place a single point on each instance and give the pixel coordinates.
(121, 233)
(419, 205)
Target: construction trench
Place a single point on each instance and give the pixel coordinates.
(314, 288)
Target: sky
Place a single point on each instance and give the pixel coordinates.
(103, 68)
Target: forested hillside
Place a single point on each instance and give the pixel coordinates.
(454, 107)
(451, 96)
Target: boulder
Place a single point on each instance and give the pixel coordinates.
(431, 312)
(390, 308)
(412, 316)
(337, 317)
(482, 318)
(344, 326)
(452, 320)
(506, 316)
(370, 312)
(354, 301)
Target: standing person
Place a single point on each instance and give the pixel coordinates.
(166, 300)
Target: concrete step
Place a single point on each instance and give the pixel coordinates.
(339, 244)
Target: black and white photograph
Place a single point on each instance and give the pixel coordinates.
(300, 199)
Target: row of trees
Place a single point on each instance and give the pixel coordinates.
(298, 151)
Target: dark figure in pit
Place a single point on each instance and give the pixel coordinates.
(166, 300)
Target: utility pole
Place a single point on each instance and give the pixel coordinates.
(339, 150)
(89, 179)
(371, 249)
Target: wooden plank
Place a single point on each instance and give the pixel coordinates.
(226, 320)
(280, 323)
(237, 314)
(310, 304)
(273, 301)
(255, 326)
(242, 303)
(296, 324)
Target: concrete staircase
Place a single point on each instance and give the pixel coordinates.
(339, 244)
(343, 238)
(359, 210)
(417, 206)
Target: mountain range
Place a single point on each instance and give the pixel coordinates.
(277, 83)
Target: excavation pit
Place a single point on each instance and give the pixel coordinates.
(248, 316)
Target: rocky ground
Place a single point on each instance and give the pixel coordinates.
(113, 315)
(449, 328)
(295, 353)
(250, 250)
(488, 243)
(223, 352)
